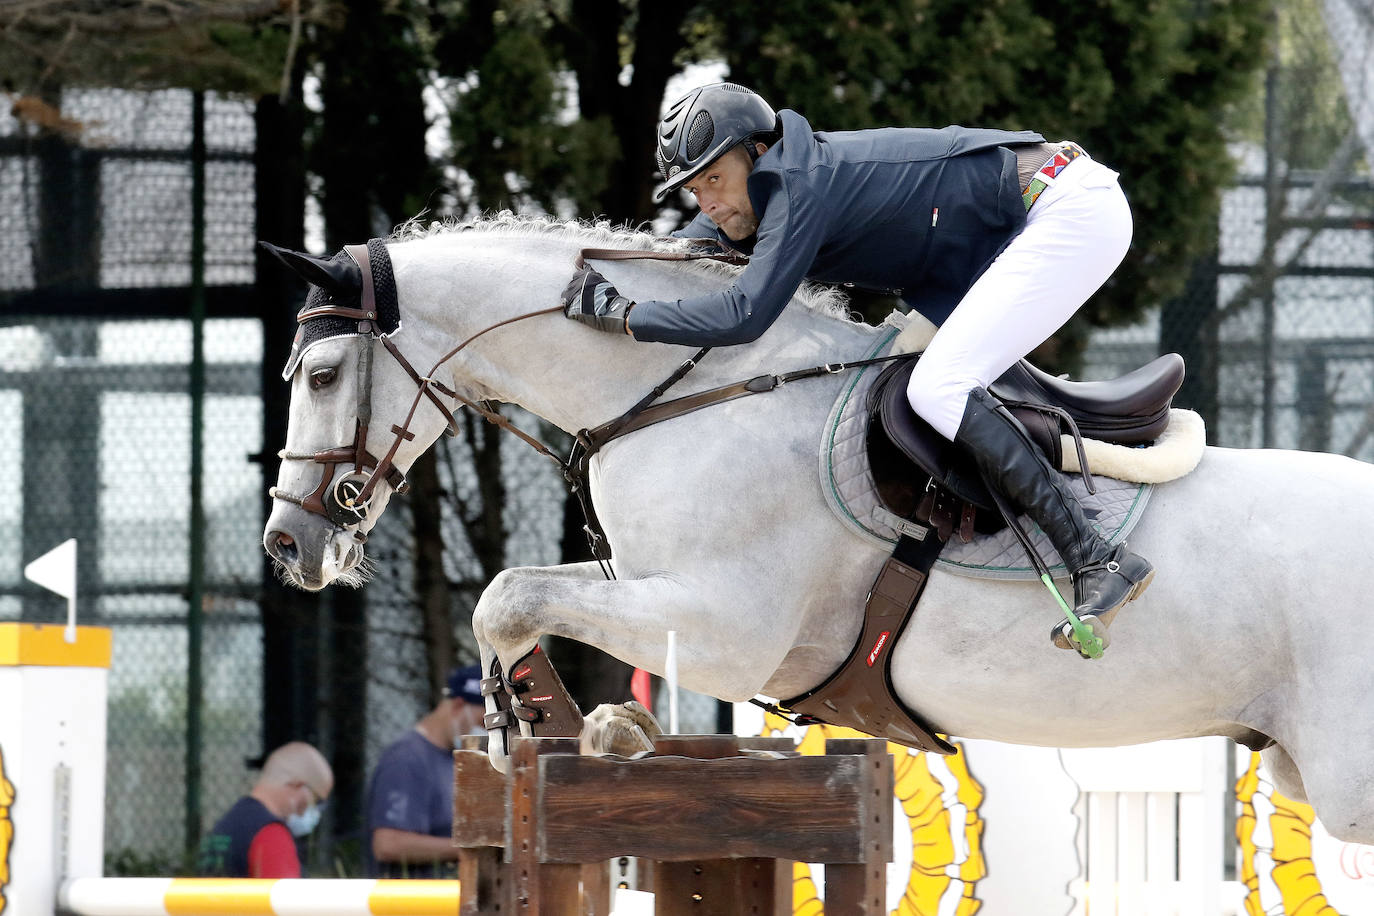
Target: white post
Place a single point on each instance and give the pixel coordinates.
(52, 760)
(670, 677)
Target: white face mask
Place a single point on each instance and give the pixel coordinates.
(301, 824)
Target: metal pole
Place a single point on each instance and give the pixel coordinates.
(1273, 228)
(196, 586)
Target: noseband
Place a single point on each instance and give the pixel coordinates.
(345, 502)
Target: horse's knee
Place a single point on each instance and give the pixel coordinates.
(506, 615)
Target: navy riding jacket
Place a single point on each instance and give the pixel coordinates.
(918, 213)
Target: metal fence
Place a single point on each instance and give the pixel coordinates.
(96, 402)
(97, 362)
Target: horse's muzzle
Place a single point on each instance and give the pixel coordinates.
(309, 552)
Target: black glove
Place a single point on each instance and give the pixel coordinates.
(591, 299)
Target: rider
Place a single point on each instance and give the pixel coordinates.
(998, 236)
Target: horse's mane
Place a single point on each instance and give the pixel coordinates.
(823, 299)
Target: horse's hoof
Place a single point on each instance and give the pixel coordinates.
(625, 729)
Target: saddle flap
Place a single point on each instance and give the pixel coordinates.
(893, 423)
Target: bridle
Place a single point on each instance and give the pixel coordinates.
(345, 502)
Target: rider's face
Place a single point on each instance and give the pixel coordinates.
(722, 193)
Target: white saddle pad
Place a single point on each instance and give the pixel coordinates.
(847, 483)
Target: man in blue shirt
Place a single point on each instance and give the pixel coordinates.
(410, 799)
(996, 236)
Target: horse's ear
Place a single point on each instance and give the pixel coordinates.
(340, 275)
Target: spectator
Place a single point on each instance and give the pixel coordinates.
(410, 798)
(256, 837)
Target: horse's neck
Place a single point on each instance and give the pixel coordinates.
(563, 371)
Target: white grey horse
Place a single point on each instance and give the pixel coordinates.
(1258, 623)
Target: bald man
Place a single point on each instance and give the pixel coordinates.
(256, 838)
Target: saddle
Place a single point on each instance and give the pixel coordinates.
(1130, 410)
(918, 472)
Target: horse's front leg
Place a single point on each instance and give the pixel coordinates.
(629, 619)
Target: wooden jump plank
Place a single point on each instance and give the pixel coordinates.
(479, 801)
(673, 808)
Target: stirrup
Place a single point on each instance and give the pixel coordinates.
(1064, 637)
(1098, 620)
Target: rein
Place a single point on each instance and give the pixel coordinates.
(727, 255)
(345, 502)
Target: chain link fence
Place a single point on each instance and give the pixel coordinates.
(1277, 321)
(96, 354)
(95, 405)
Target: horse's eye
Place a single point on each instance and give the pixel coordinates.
(321, 377)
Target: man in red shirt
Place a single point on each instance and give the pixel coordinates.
(256, 838)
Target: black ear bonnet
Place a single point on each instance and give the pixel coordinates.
(348, 293)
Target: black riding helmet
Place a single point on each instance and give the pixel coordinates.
(704, 124)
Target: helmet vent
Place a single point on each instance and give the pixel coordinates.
(700, 135)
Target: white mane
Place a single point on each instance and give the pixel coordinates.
(825, 300)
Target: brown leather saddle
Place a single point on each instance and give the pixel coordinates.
(1130, 410)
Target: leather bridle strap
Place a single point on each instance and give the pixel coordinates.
(364, 464)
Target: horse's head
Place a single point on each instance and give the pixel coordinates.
(363, 407)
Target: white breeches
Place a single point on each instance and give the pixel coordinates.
(1076, 234)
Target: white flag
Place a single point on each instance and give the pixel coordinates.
(56, 569)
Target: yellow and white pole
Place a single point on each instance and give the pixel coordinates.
(242, 896)
(52, 760)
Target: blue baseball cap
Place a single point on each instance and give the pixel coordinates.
(465, 684)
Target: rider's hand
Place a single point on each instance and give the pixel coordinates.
(591, 299)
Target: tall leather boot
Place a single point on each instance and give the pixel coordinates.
(1104, 577)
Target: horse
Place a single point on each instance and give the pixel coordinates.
(1255, 627)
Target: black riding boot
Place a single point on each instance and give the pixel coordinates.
(1104, 577)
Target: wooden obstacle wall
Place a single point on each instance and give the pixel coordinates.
(714, 820)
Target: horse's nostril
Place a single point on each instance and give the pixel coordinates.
(282, 547)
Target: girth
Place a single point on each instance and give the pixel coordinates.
(859, 694)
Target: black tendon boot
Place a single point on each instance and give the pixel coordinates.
(1104, 577)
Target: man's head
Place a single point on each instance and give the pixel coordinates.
(463, 701)
(295, 781)
(710, 124)
(722, 192)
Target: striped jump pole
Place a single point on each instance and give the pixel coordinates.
(253, 897)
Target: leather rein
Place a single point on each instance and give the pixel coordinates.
(345, 502)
